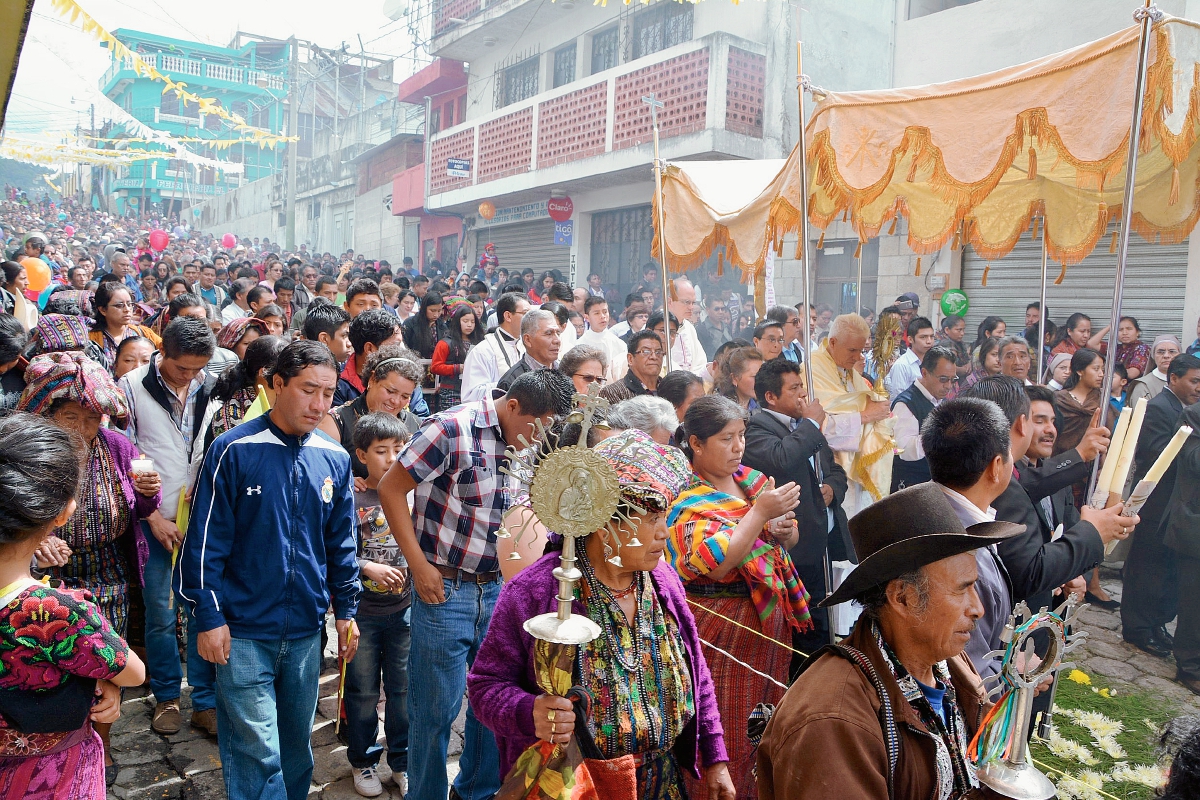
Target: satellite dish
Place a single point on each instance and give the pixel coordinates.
(395, 9)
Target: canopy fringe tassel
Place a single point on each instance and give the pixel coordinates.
(918, 271)
(986, 270)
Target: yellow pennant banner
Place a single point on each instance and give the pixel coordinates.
(217, 144)
(73, 12)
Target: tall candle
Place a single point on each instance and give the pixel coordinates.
(1168, 454)
(141, 465)
(1128, 447)
(1115, 445)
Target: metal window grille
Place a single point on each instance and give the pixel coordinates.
(605, 50)
(660, 27)
(519, 81)
(564, 65)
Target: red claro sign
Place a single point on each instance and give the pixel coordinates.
(560, 208)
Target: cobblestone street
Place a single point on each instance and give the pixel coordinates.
(187, 765)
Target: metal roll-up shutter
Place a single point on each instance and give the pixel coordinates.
(529, 244)
(1155, 275)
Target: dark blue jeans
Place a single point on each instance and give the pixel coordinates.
(382, 652)
(162, 650)
(266, 702)
(445, 639)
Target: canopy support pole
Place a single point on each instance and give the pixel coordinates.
(858, 288)
(1147, 15)
(806, 316)
(805, 324)
(656, 104)
(1041, 351)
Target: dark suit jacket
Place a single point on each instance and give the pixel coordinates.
(783, 454)
(1037, 565)
(1181, 528)
(1162, 420)
(1053, 474)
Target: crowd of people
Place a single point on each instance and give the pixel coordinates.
(250, 441)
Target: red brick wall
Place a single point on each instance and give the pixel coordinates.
(505, 145)
(681, 83)
(445, 10)
(572, 126)
(744, 88)
(458, 145)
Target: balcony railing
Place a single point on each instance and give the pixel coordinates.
(445, 11)
(716, 82)
(198, 68)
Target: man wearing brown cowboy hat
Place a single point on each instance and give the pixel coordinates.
(888, 712)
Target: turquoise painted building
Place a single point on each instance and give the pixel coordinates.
(248, 78)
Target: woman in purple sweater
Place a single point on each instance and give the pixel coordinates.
(105, 549)
(652, 692)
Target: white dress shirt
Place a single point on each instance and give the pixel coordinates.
(231, 312)
(904, 373)
(612, 347)
(487, 362)
(908, 430)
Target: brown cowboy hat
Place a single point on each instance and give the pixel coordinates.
(907, 530)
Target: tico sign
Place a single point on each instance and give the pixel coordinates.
(560, 208)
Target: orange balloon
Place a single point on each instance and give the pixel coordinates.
(37, 271)
(487, 210)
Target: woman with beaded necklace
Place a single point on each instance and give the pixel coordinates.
(652, 696)
(107, 550)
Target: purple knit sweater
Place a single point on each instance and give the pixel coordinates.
(502, 686)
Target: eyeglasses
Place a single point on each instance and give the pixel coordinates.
(590, 379)
(647, 353)
(772, 339)
(120, 306)
(793, 321)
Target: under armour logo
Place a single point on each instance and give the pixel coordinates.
(253, 490)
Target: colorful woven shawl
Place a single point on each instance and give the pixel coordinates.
(699, 526)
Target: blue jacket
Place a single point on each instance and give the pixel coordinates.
(272, 516)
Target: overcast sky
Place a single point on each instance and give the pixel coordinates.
(60, 63)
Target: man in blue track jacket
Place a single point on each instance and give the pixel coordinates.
(271, 538)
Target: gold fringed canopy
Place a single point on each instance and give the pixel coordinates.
(973, 159)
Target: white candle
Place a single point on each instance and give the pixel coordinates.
(1168, 455)
(1128, 447)
(1104, 484)
(142, 465)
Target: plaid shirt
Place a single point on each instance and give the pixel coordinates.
(459, 499)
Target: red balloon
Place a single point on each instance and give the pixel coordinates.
(69, 231)
(228, 241)
(159, 240)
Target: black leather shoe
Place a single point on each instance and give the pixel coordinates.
(1152, 645)
(1108, 605)
(1191, 683)
(1161, 634)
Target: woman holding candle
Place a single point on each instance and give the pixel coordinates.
(107, 548)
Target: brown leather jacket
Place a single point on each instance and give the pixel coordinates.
(826, 739)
